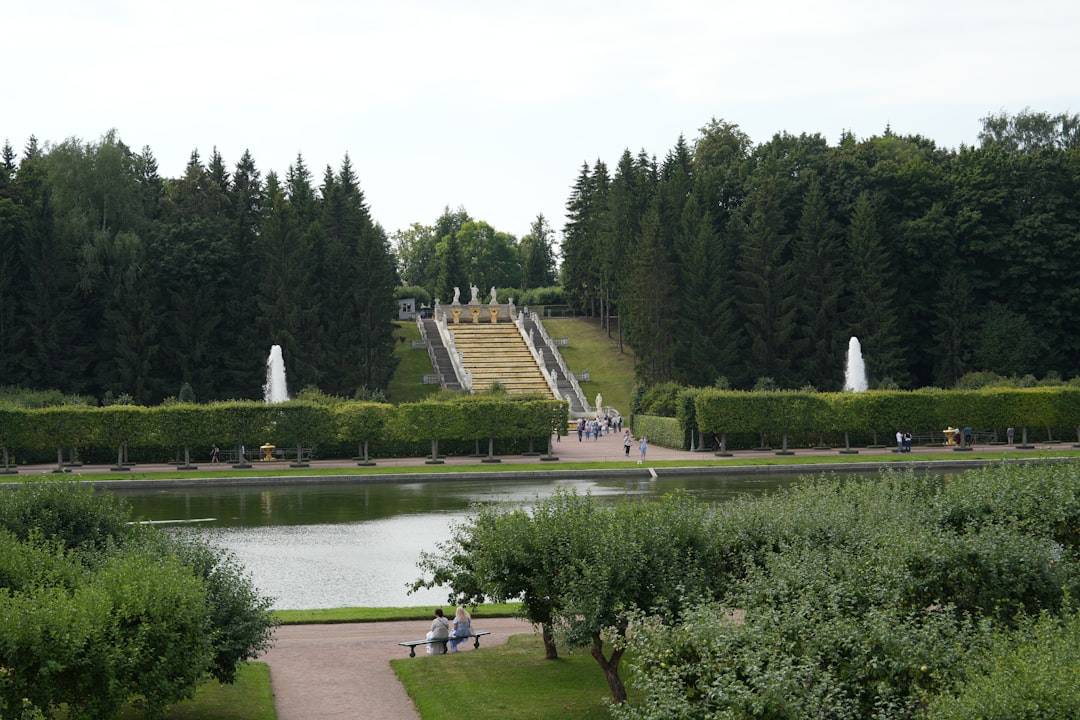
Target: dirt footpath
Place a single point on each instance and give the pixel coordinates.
(343, 670)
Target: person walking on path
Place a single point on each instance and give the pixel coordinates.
(627, 441)
(643, 447)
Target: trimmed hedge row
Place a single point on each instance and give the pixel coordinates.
(666, 432)
(295, 423)
(807, 415)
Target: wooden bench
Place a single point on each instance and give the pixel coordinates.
(411, 644)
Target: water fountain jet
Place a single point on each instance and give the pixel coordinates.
(275, 390)
(855, 369)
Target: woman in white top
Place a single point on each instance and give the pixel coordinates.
(440, 630)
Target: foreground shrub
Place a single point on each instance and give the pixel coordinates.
(1030, 673)
(872, 599)
(135, 628)
(96, 612)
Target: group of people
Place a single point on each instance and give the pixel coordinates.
(903, 442)
(452, 632)
(595, 427)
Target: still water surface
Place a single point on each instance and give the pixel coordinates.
(339, 545)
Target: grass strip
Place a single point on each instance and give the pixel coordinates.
(706, 461)
(368, 614)
(506, 682)
(249, 698)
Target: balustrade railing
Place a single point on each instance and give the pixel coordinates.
(578, 392)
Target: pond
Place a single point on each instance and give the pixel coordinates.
(313, 545)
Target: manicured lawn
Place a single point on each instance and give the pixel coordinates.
(611, 372)
(407, 385)
(506, 682)
(361, 614)
(249, 698)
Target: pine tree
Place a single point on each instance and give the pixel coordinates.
(871, 312)
(287, 307)
(582, 251)
(13, 228)
(766, 288)
(245, 364)
(650, 300)
(703, 307)
(450, 265)
(631, 194)
(951, 327)
(356, 290)
(819, 341)
(375, 309)
(451, 270)
(538, 255)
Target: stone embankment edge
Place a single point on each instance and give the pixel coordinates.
(864, 467)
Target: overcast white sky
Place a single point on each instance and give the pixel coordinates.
(494, 106)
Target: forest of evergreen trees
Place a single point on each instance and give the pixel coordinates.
(727, 263)
(117, 282)
(752, 265)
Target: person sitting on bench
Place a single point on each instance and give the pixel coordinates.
(462, 628)
(440, 630)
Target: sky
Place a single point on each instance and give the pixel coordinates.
(495, 106)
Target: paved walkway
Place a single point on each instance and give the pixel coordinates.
(608, 448)
(343, 671)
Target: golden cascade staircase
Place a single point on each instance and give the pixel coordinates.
(496, 352)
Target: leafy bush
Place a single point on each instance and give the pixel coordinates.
(26, 398)
(1029, 673)
(71, 514)
(661, 399)
(135, 627)
(95, 612)
(538, 297)
(867, 599)
(977, 380)
(241, 618)
(420, 294)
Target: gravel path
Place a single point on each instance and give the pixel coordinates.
(343, 670)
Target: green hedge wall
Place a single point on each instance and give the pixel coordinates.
(1051, 412)
(667, 432)
(1048, 413)
(40, 432)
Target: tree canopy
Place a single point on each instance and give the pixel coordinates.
(740, 261)
(114, 280)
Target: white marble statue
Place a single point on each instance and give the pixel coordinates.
(457, 296)
(599, 402)
(492, 301)
(475, 300)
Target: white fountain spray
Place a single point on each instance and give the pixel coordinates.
(275, 389)
(855, 370)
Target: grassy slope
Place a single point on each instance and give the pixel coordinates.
(407, 385)
(611, 372)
